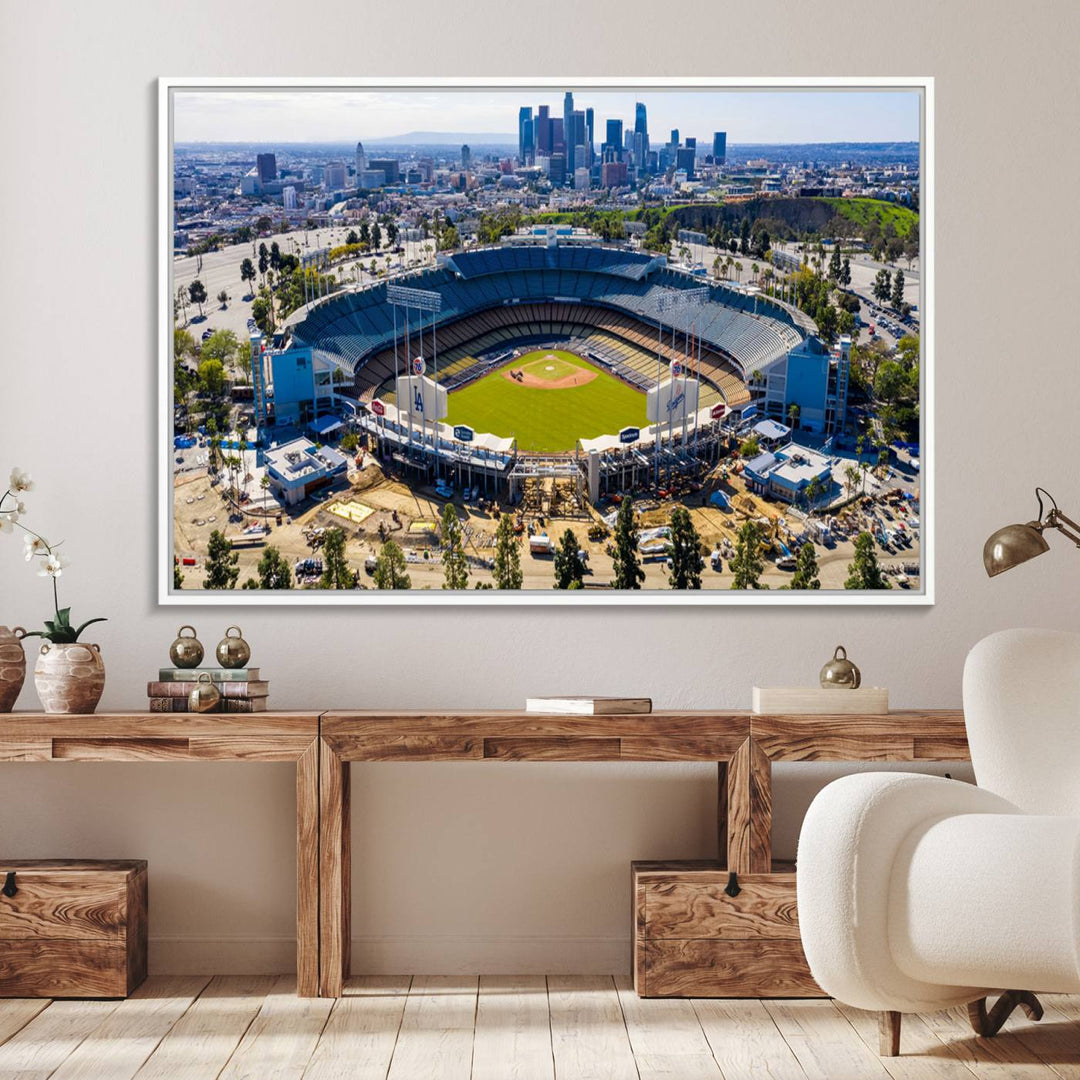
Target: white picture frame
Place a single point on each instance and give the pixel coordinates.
(169, 596)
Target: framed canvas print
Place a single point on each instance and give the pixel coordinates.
(565, 342)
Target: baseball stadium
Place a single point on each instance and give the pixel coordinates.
(598, 364)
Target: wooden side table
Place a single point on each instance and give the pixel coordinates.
(259, 737)
(501, 736)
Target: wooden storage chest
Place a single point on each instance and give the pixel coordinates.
(71, 928)
(693, 939)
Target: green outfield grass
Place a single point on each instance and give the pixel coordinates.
(543, 419)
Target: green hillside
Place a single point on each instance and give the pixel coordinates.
(860, 212)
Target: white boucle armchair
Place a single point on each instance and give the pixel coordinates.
(918, 893)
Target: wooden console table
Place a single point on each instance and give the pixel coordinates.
(260, 737)
(743, 745)
(323, 745)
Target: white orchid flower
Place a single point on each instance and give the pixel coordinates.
(20, 481)
(34, 545)
(53, 566)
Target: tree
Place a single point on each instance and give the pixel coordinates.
(845, 273)
(212, 378)
(221, 563)
(220, 345)
(684, 551)
(898, 289)
(273, 570)
(747, 564)
(376, 237)
(183, 344)
(365, 233)
(275, 255)
(851, 478)
(197, 293)
(836, 268)
(177, 577)
(891, 383)
(569, 569)
(827, 321)
(264, 260)
(455, 564)
(352, 237)
(390, 568)
(223, 299)
(793, 415)
(882, 286)
(863, 571)
(391, 233)
(507, 563)
(628, 571)
(247, 274)
(336, 572)
(806, 569)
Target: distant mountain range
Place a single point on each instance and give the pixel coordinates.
(444, 138)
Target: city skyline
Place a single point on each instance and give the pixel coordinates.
(749, 116)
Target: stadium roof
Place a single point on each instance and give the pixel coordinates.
(348, 327)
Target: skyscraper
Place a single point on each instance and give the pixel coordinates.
(543, 131)
(641, 126)
(361, 161)
(558, 137)
(577, 137)
(266, 164)
(614, 137)
(674, 136)
(568, 129)
(719, 147)
(684, 160)
(530, 143)
(466, 158)
(524, 119)
(590, 145)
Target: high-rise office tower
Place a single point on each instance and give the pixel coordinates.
(641, 125)
(568, 129)
(543, 131)
(577, 136)
(590, 144)
(266, 164)
(614, 137)
(691, 142)
(288, 197)
(334, 177)
(674, 137)
(684, 160)
(530, 143)
(719, 147)
(557, 170)
(524, 117)
(466, 158)
(558, 137)
(361, 161)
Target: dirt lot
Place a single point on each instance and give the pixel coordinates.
(401, 512)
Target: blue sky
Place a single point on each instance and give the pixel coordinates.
(748, 116)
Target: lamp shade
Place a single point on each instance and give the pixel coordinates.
(1012, 545)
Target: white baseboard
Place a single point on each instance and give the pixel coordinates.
(430, 954)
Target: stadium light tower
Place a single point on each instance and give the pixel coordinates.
(670, 300)
(419, 300)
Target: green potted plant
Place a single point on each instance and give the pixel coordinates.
(69, 674)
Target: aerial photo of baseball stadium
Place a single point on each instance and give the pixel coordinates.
(610, 352)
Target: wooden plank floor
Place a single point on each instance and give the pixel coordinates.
(524, 1027)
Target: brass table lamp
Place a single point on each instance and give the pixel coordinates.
(1014, 544)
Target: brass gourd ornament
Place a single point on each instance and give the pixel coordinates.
(840, 673)
(233, 652)
(204, 695)
(186, 652)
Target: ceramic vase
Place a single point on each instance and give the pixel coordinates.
(69, 678)
(12, 666)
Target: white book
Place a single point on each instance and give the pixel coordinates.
(588, 706)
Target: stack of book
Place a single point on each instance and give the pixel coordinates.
(241, 689)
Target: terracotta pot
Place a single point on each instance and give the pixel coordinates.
(12, 666)
(69, 678)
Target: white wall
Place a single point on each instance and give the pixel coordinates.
(494, 867)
